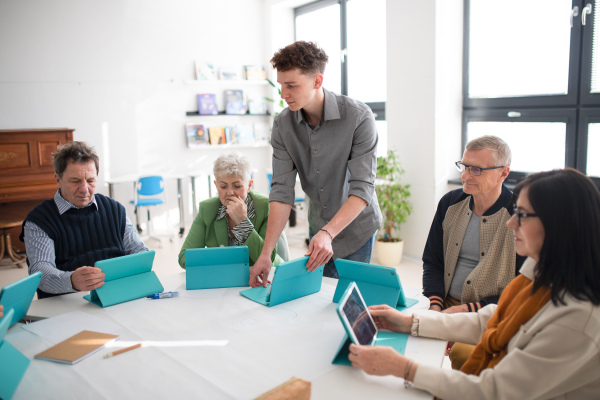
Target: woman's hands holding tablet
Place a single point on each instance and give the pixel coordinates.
(378, 360)
(389, 318)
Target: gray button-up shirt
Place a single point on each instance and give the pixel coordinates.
(334, 160)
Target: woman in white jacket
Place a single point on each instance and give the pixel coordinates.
(542, 340)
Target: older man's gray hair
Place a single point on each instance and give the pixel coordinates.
(501, 151)
(232, 164)
(76, 152)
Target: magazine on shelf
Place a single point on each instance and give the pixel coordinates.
(231, 135)
(207, 104)
(229, 74)
(217, 135)
(205, 71)
(234, 102)
(196, 135)
(254, 72)
(257, 104)
(245, 134)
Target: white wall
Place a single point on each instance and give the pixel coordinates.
(115, 71)
(424, 49)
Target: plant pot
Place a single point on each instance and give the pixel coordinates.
(389, 254)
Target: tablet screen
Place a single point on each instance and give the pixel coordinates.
(354, 310)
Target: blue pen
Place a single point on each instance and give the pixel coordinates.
(163, 295)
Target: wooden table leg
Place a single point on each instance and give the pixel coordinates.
(6, 244)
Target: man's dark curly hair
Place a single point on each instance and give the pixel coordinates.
(306, 56)
(77, 152)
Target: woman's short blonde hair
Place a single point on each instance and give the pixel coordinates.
(232, 164)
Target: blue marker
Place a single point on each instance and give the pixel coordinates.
(163, 295)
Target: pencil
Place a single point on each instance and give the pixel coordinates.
(117, 352)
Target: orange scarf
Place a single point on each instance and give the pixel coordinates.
(516, 306)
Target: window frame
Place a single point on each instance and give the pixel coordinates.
(587, 116)
(378, 108)
(576, 108)
(566, 115)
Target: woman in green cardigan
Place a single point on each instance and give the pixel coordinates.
(237, 217)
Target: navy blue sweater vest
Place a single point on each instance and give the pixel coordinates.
(82, 236)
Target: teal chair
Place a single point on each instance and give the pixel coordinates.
(150, 192)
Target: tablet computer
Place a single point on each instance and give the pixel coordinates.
(128, 265)
(356, 318)
(217, 267)
(18, 295)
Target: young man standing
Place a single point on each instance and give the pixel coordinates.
(330, 142)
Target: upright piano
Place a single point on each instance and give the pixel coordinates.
(26, 171)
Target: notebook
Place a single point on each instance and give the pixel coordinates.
(13, 363)
(18, 295)
(290, 281)
(77, 347)
(217, 267)
(126, 278)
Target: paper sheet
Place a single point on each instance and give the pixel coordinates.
(57, 329)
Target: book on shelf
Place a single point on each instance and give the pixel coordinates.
(217, 135)
(245, 134)
(254, 72)
(256, 104)
(234, 102)
(229, 74)
(196, 135)
(207, 104)
(205, 71)
(231, 135)
(77, 347)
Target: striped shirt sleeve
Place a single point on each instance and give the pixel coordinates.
(131, 240)
(40, 254)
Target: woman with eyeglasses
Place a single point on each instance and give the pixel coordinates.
(542, 340)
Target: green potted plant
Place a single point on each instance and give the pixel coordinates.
(393, 200)
(275, 103)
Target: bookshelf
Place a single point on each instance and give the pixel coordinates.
(227, 82)
(259, 123)
(224, 114)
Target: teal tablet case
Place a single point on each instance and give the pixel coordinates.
(291, 281)
(217, 267)
(377, 284)
(17, 296)
(13, 363)
(126, 278)
(395, 340)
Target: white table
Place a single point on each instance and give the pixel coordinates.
(219, 345)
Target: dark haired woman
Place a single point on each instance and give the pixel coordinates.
(542, 340)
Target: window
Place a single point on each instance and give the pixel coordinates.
(353, 34)
(535, 84)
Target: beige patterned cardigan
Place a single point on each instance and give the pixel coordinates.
(498, 263)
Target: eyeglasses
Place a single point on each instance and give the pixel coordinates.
(521, 215)
(475, 171)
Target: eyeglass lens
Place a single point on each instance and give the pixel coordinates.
(475, 171)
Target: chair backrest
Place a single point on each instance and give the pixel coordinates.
(282, 247)
(269, 178)
(150, 185)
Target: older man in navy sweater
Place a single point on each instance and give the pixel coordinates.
(66, 235)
